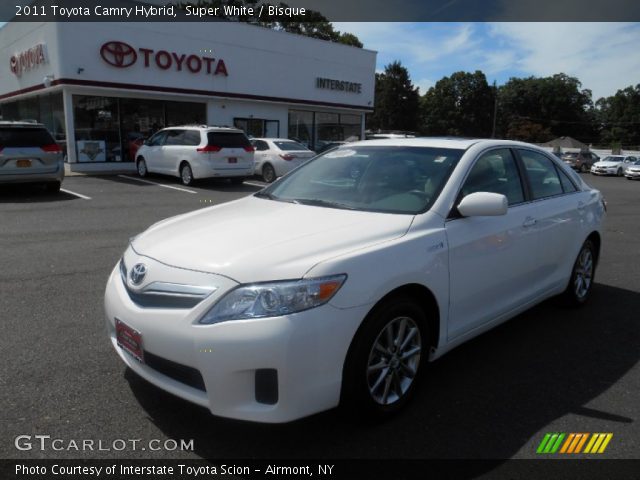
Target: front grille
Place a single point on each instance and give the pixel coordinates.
(180, 373)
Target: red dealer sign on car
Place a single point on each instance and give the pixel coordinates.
(123, 55)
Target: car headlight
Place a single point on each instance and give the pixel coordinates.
(273, 299)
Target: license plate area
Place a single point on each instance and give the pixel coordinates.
(23, 163)
(232, 159)
(130, 340)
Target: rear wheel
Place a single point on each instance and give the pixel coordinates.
(186, 175)
(386, 359)
(52, 187)
(142, 167)
(582, 275)
(619, 172)
(268, 173)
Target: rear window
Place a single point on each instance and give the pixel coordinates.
(290, 146)
(24, 137)
(228, 139)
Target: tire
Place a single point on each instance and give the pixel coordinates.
(582, 276)
(584, 168)
(268, 173)
(375, 382)
(237, 180)
(619, 173)
(141, 166)
(52, 187)
(186, 174)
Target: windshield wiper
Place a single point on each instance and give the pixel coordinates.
(271, 196)
(316, 202)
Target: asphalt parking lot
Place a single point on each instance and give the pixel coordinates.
(550, 369)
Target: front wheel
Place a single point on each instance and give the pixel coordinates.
(619, 172)
(582, 275)
(186, 175)
(386, 359)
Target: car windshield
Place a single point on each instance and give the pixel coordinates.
(389, 179)
(612, 159)
(290, 146)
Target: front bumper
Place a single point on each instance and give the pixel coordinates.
(630, 174)
(307, 350)
(604, 171)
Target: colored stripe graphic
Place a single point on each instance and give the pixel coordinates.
(573, 443)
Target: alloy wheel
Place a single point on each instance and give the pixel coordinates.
(584, 273)
(394, 360)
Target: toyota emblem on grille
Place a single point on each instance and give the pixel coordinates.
(118, 54)
(138, 273)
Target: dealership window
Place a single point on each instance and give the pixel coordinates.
(317, 129)
(185, 113)
(46, 109)
(258, 127)
(97, 129)
(301, 127)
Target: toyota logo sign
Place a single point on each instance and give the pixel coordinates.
(118, 54)
(137, 274)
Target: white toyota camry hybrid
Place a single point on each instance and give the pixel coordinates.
(338, 282)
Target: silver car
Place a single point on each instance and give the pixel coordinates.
(29, 154)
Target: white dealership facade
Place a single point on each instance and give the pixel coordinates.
(102, 87)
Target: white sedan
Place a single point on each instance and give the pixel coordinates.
(613, 165)
(276, 156)
(337, 283)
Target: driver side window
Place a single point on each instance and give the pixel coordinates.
(157, 139)
(495, 172)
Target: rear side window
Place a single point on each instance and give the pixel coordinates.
(543, 177)
(191, 137)
(228, 139)
(174, 137)
(290, 146)
(24, 137)
(495, 172)
(260, 145)
(567, 185)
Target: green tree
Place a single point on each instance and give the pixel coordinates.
(459, 105)
(312, 24)
(397, 100)
(619, 118)
(539, 109)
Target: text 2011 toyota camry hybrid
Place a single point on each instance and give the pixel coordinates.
(337, 283)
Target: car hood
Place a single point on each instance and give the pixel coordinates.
(255, 239)
(607, 164)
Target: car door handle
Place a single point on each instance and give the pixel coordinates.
(529, 222)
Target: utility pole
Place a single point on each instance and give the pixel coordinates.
(495, 109)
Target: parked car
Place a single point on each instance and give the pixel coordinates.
(633, 171)
(613, 165)
(194, 152)
(29, 154)
(277, 156)
(338, 283)
(580, 161)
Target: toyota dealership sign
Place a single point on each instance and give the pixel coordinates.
(122, 55)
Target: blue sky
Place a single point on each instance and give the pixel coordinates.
(605, 57)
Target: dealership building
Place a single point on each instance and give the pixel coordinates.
(102, 87)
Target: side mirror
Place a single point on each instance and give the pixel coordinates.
(483, 204)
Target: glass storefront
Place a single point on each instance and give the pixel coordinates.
(319, 129)
(46, 109)
(110, 129)
(258, 127)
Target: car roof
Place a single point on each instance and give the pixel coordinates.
(438, 142)
(11, 123)
(209, 128)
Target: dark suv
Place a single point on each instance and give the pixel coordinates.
(580, 161)
(29, 154)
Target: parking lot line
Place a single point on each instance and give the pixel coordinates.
(79, 195)
(158, 184)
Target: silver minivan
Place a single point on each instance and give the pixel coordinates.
(29, 154)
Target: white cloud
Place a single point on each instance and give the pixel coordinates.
(603, 56)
